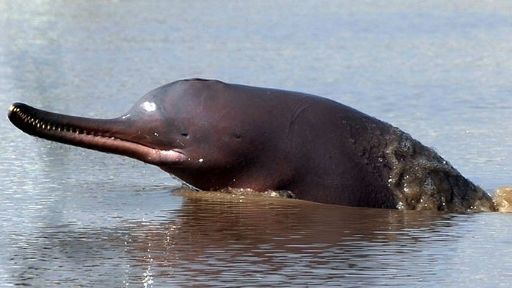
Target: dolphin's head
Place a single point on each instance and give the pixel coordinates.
(181, 127)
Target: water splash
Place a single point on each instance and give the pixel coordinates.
(423, 180)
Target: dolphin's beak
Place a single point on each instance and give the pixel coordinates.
(106, 135)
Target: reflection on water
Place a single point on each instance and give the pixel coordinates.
(71, 217)
(214, 239)
(276, 241)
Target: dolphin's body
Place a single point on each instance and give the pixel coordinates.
(215, 135)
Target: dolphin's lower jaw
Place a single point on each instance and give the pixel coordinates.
(87, 133)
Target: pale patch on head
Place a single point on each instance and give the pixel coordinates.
(148, 106)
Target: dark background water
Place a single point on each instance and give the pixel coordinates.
(441, 71)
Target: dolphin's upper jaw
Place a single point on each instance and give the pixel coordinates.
(96, 134)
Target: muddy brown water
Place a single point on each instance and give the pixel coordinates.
(74, 218)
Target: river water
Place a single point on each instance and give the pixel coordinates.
(70, 217)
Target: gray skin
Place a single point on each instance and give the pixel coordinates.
(214, 135)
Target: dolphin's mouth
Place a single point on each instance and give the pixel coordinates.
(106, 135)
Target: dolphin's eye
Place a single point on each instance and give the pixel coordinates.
(184, 134)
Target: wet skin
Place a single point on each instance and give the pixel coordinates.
(215, 135)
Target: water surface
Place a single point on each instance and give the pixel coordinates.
(71, 217)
